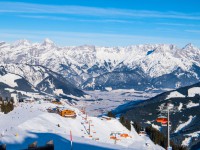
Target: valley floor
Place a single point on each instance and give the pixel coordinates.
(103, 101)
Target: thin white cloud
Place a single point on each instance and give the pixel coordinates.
(17, 7)
(193, 31)
(76, 19)
(45, 17)
(178, 24)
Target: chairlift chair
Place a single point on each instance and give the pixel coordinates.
(162, 119)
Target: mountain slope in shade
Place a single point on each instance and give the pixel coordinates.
(185, 120)
(92, 67)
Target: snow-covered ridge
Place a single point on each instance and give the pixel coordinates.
(34, 74)
(162, 60)
(80, 63)
(39, 78)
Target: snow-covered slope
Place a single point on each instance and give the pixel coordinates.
(10, 83)
(185, 118)
(30, 122)
(92, 67)
(22, 78)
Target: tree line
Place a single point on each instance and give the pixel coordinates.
(156, 136)
(6, 105)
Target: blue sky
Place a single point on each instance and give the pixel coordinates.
(101, 22)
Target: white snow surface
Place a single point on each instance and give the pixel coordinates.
(9, 79)
(156, 127)
(33, 74)
(180, 106)
(186, 141)
(164, 60)
(193, 91)
(194, 134)
(191, 104)
(189, 137)
(175, 94)
(183, 125)
(30, 122)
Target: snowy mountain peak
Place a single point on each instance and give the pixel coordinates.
(87, 63)
(189, 46)
(22, 42)
(2, 43)
(48, 42)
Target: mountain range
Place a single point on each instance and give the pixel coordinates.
(66, 72)
(142, 67)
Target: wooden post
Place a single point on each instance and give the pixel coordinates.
(71, 139)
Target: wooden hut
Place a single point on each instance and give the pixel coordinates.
(124, 135)
(68, 113)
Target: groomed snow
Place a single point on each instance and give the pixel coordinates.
(30, 122)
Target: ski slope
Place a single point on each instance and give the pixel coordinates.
(30, 122)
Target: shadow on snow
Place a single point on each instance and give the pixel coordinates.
(60, 143)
